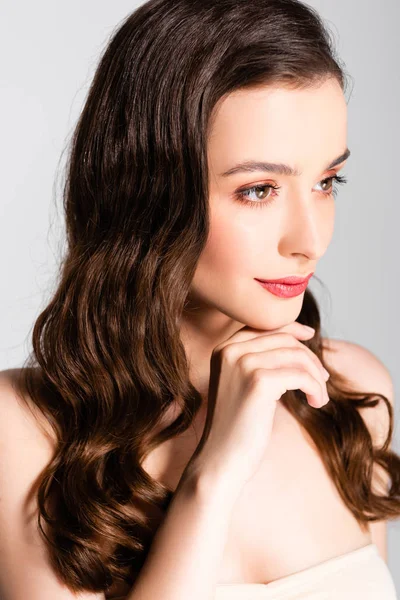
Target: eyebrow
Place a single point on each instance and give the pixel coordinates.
(280, 169)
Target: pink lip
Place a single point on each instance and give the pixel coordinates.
(292, 280)
(285, 290)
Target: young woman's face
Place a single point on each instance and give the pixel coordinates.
(279, 232)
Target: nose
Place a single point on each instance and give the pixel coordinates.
(305, 227)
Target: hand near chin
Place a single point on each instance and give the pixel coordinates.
(249, 372)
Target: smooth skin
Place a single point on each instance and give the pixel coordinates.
(305, 129)
(265, 534)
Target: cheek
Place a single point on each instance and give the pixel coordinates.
(232, 245)
(328, 223)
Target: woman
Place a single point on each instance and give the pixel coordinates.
(181, 438)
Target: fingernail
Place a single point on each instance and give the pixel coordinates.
(310, 329)
(326, 373)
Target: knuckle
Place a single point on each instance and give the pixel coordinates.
(228, 353)
(292, 353)
(258, 375)
(244, 362)
(298, 350)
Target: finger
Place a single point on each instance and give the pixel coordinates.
(290, 378)
(281, 357)
(248, 333)
(295, 328)
(267, 341)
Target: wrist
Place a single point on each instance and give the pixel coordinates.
(209, 484)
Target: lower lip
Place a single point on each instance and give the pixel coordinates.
(283, 290)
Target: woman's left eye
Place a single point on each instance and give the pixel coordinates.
(333, 190)
(243, 194)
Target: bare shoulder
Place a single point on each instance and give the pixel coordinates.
(360, 366)
(19, 413)
(366, 373)
(25, 450)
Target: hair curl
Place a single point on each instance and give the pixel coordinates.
(107, 359)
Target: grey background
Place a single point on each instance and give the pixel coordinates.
(49, 52)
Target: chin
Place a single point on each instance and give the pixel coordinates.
(275, 317)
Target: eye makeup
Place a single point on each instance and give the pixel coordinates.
(241, 195)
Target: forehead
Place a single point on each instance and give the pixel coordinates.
(279, 123)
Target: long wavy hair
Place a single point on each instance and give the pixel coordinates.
(108, 360)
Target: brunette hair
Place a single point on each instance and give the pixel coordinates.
(107, 359)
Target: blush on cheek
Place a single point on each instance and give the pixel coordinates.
(231, 247)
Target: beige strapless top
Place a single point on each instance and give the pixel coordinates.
(358, 575)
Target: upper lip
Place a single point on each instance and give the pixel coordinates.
(290, 280)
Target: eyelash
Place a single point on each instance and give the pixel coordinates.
(239, 195)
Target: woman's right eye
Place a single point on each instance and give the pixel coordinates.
(265, 197)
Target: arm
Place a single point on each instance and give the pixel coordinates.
(184, 556)
(186, 551)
